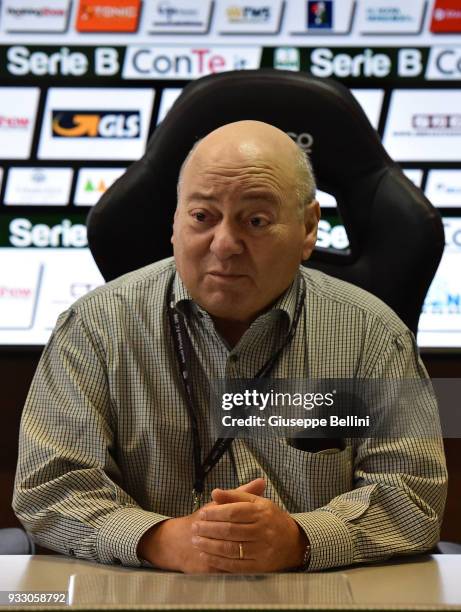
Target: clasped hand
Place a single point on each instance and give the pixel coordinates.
(239, 531)
(242, 532)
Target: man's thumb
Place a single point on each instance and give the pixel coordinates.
(242, 493)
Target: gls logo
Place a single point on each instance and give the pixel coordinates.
(95, 124)
(305, 141)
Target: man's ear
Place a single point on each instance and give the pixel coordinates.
(311, 222)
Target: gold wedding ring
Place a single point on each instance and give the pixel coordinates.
(240, 551)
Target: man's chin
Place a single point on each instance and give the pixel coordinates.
(224, 304)
(220, 288)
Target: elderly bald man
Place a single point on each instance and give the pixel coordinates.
(117, 459)
(246, 218)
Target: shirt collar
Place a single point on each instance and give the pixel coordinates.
(286, 303)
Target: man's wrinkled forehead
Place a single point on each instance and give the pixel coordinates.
(246, 176)
(247, 161)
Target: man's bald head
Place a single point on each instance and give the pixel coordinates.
(258, 140)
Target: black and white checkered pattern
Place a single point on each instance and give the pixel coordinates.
(106, 445)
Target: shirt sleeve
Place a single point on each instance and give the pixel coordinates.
(400, 486)
(69, 489)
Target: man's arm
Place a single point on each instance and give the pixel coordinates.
(69, 489)
(396, 507)
(400, 483)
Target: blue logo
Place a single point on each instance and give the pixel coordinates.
(319, 14)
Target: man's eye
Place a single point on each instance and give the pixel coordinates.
(258, 222)
(199, 216)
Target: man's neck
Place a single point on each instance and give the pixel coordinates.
(231, 331)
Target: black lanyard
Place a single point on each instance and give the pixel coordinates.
(184, 349)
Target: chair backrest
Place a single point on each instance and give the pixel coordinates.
(396, 236)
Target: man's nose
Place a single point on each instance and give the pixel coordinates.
(227, 240)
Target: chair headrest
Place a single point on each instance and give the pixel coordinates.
(321, 115)
(394, 232)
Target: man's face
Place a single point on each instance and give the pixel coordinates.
(239, 235)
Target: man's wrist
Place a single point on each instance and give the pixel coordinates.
(151, 546)
(143, 548)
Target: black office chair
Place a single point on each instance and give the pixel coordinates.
(396, 236)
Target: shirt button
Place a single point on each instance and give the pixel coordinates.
(233, 358)
(71, 552)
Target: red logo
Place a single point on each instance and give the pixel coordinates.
(446, 17)
(108, 15)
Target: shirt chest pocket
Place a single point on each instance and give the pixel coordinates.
(313, 479)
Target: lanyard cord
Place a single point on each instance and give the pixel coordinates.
(184, 350)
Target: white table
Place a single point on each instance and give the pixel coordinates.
(427, 582)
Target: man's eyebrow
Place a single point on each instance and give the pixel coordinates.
(197, 195)
(266, 196)
(251, 196)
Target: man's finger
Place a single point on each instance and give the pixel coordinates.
(232, 496)
(256, 486)
(235, 532)
(234, 566)
(225, 548)
(240, 512)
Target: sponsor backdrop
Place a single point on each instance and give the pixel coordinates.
(83, 83)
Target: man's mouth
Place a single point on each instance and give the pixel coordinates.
(228, 275)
